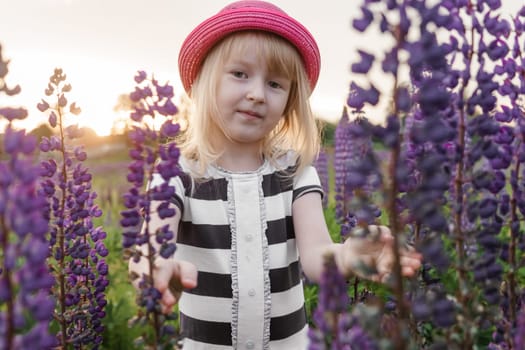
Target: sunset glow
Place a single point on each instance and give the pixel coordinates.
(101, 60)
(96, 86)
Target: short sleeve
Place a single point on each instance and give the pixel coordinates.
(307, 181)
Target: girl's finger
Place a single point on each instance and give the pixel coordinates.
(381, 232)
(163, 275)
(410, 262)
(408, 271)
(187, 274)
(168, 300)
(412, 255)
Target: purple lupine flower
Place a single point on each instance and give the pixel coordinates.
(362, 23)
(365, 64)
(422, 158)
(485, 140)
(334, 327)
(509, 142)
(359, 96)
(358, 338)
(26, 306)
(341, 154)
(13, 113)
(151, 156)
(77, 247)
(321, 165)
(519, 334)
(356, 173)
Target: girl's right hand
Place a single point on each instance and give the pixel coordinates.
(171, 278)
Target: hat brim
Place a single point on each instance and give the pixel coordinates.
(200, 41)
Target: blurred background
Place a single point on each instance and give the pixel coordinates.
(100, 44)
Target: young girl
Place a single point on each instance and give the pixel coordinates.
(249, 212)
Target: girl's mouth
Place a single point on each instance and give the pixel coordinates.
(251, 114)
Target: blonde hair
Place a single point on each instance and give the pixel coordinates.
(297, 130)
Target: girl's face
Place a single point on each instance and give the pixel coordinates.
(251, 99)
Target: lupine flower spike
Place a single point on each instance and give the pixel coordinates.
(77, 246)
(454, 138)
(321, 164)
(152, 153)
(334, 327)
(26, 305)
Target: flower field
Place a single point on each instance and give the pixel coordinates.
(445, 172)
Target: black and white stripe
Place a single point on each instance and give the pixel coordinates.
(205, 239)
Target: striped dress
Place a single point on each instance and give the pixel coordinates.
(237, 229)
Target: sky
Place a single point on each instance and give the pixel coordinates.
(101, 44)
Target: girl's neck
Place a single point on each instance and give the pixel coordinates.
(239, 159)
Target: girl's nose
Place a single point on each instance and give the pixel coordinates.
(256, 91)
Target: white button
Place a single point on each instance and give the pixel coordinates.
(250, 344)
(251, 292)
(249, 237)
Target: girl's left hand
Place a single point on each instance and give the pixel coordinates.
(376, 253)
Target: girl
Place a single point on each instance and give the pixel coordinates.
(249, 203)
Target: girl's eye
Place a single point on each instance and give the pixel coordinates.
(239, 74)
(274, 85)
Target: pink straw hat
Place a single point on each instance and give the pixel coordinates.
(246, 15)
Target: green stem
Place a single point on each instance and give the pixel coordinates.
(392, 190)
(459, 234)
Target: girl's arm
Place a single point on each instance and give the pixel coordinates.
(311, 234)
(182, 274)
(313, 241)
